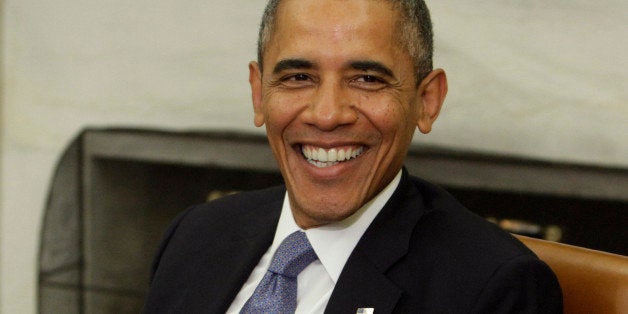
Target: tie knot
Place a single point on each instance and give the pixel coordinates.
(293, 255)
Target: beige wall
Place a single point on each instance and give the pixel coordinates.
(543, 79)
(1, 131)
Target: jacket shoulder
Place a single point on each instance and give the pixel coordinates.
(216, 242)
(464, 261)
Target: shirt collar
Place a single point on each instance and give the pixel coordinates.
(334, 242)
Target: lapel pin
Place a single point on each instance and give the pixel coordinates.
(365, 310)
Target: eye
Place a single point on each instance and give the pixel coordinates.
(369, 82)
(299, 77)
(296, 80)
(369, 79)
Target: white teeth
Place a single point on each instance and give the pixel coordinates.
(354, 154)
(314, 153)
(341, 155)
(326, 158)
(322, 155)
(332, 154)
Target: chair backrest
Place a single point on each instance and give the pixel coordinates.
(592, 281)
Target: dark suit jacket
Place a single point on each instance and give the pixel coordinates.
(423, 253)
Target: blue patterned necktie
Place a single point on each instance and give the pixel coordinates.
(277, 292)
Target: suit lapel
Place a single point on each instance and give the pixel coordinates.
(213, 289)
(363, 282)
(362, 285)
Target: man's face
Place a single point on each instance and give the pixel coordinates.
(340, 102)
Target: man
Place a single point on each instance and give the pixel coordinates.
(341, 86)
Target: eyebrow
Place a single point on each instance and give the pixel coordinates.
(373, 66)
(289, 64)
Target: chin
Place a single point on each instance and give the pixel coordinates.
(332, 213)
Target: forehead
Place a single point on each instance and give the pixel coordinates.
(336, 8)
(335, 14)
(334, 27)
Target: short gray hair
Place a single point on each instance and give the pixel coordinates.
(415, 32)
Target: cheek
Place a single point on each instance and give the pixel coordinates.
(280, 112)
(388, 114)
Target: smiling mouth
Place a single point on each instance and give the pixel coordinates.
(323, 158)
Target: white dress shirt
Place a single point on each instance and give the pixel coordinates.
(333, 243)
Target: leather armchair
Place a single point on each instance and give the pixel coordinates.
(592, 281)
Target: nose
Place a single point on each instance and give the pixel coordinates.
(330, 108)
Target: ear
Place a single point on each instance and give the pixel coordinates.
(255, 79)
(433, 90)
